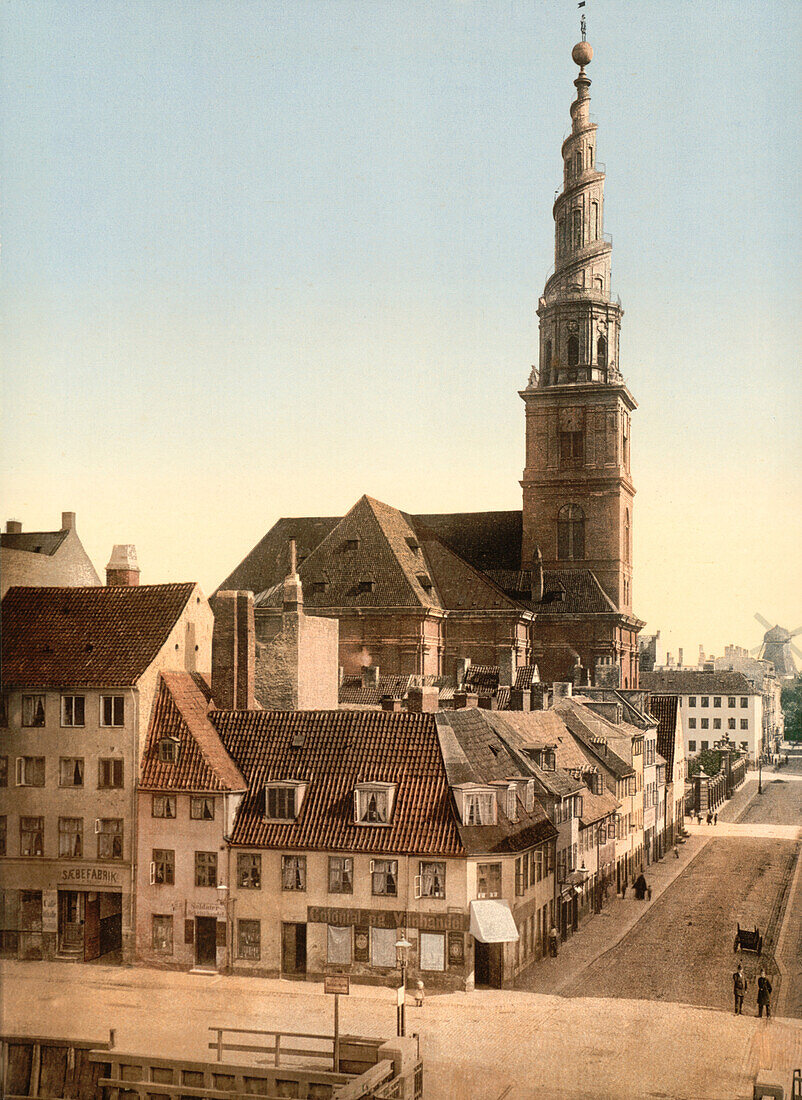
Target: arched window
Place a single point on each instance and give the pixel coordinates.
(573, 351)
(570, 533)
(601, 351)
(590, 156)
(547, 356)
(627, 536)
(576, 228)
(594, 220)
(578, 163)
(561, 236)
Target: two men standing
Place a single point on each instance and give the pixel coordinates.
(739, 986)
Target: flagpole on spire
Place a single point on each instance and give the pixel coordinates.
(583, 25)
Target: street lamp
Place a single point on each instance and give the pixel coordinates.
(760, 774)
(402, 946)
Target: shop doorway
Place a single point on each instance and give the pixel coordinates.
(206, 942)
(488, 964)
(89, 924)
(293, 950)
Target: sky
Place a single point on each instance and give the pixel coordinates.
(261, 258)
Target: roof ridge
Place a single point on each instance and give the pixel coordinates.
(371, 502)
(478, 573)
(195, 711)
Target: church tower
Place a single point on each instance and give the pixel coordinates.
(577, 484)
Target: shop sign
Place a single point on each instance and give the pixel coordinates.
(337, 983)
(361, 945)
(201, 907)
(50, 911)
(456, 949)
(91, 876)
(388, 918)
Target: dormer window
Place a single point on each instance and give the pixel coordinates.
(283, 799)
(479, 807)
(373, 803)
(351, 544)
(425, 582)
(317, 588)
(169, 750)
(364, 586)
(413, 544)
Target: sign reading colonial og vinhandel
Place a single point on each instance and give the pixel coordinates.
(388, 918)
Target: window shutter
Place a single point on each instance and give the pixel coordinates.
(20, 764)
(97, 824)
(372, 865)
(153, 874)
(418, 886)
(356, 805)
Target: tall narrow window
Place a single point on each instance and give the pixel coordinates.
(594, 220)
(627, 535)
(547, 356)
(576, 228)
(601, 351)
(571, 533)
(578, 163)
(573, 351)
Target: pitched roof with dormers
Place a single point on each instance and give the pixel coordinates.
(599, 737)
(180, 712)
(333, 751)
(697, 682)
(87, 637)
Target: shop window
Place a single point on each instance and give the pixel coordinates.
(384, 877)
(206, 868)
(162, 805)
(33, 710)
(341, 875)
(430, 882)
(249, 870)
(382, 947)
(488, 879)
(71, 771)
(571, 533)
(293, 873)
(162, 867)
(373, 803)
(72, 710)
(112, 710)
(70, 837)
(338, 949)
(109, 838)
(249, 940)
(432, 951)
(162, 925)
(110, 774)
(201, 808)
(30, 771)
(31, 836)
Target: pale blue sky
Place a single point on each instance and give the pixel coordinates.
(260, 258)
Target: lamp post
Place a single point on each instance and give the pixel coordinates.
(224, 903)
(402, 946)
(760, 774)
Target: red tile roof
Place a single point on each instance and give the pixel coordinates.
(333, 751)
(180, 711)
(665, 709)
(87, 637)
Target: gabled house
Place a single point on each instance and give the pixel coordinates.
(44, 558)
(80, 668)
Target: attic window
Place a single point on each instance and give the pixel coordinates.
(413, 543)
(365, 586)
(425, 582)
(283, 800)
(169, 750)
(317, 588)
(479, 807)
(373, 803)
(351, 544)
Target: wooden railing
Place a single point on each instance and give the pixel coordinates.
(35, 1065)
(277, 1050)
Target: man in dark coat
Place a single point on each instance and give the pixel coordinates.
(640, 887)
(739, 984)
(763, 994)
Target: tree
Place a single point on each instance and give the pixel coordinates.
(707, 759)
(791, 701)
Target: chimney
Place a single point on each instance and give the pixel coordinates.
(68, 521)
(461, 669)
(488, 702)
(122, 569)
(539, 697)
(390, 703)
(701, 655)
(464, 700)
(607, 673)
(577, 673)
(709, 666)
(423, 700)
(670, 660)
(520, 699)
(233, 651)
(562, 689)
(293, 590)
(370, 676)
(537, 577)
(13, 527)
(679, 658)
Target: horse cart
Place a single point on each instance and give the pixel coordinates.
(748, 939)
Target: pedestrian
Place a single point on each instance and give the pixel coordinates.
(715, 819)
(676, 852)
(699, 819)
(709, 817)
(763, 994)
(419, 993)
(739, 986)
(553, 941)
(640, 887)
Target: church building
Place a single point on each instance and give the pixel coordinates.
(550, 584)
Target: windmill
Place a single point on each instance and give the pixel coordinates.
(778, 648)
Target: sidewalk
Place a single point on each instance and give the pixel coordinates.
(600, 933)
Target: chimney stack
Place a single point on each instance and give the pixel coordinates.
(537, 577)
(68, 521)
(293, 590)
(679, 658)
(390, 703)
(520, 699)
(423, 700)
(370, 676)
(122, 569)
(562, 689)
(13, 527)
(577, 673)
(465, 700)
(461, 669)
(233, 651)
